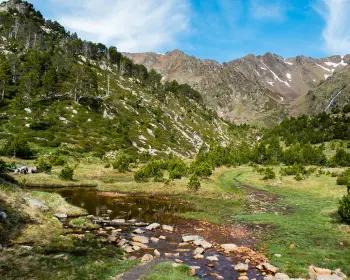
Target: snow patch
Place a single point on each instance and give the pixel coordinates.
(150, 132)
(263, 68)
(289, 76)
(326, 76)
(289, 63)
(271, 83)
(275, 76)
(335, 65)
(324, 68)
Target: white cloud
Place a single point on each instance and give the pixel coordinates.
(337, 30)
(131, 25)
(261, 10)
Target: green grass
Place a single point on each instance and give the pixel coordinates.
(165, 271)
(312, 225)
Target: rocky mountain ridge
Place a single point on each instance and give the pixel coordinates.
(248, 88)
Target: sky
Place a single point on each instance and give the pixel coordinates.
(222, 30)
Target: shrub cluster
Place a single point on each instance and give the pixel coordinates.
(122, 163)
(44, 165)
(17, 147)
(344, 208)
(67, 173)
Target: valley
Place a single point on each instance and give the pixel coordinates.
(121, 165)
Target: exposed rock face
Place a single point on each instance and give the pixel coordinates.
(247, 88)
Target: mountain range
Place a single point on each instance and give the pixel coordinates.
(253, 88)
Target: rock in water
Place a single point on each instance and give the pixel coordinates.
(167, 228)
(228, 248)
(203, 243)
(191, 238)
(146, 258)
(213, 258)
(242, 267)
(157, 253)
(138, 231)
(198, 256)
(141, 239)
(270, 267)
(153, 226)
(154, 240)
(198, 250)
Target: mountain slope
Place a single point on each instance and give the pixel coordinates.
(61, 91)
(247, 88)
(224, 89)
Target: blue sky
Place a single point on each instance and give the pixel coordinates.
(215, 29)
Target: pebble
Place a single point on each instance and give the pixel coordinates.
(198, 250)
(191, 238)
(241, 267)
(228, 248)
(270, 267)
(138, 231)
(281, 276)
(146, 258)
(178, 261)
(213, 258)
(141, 239)
(162, 237)
(157, 253)
(153, 226)
(167, 228)
(154, 240)
(277, 255)
(198, 256)
(128, 249)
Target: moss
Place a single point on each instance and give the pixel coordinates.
(82, 223)
(165, 271)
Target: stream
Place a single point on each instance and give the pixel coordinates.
(109, 206)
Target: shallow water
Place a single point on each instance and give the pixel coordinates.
(162, 211)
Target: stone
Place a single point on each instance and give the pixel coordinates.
(212, 258)
(204, 244)
(59, 256)
(117, 222)
(3, 215)
(270, 267)
(281, 276)
(109, 228)
(132, 221)
(162, 237)
(319, 270)
(243, 278)
(112, 238)
(115, 232)
(27, 248)
(228, 248)
(138, 244)
(141, 239)
(154, 240)
(146, 258)
(260, 267)
(340, 273)
(198, 256)
(172, 255)
(198, 250)
(136, 248)
(167, 228)
(36, 203)
(61, 215)
(193, 270)
(128, 249)
(178, 261)
(109, 211)
(191, 238)
(157, 253)
(153, 226)
(138, 231)
(132, 258)
(241, 267)
(277, 255)
(175, 265)
(122, 242)
(183, 244)
(328, 277)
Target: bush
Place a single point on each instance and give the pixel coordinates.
(122, 163)
(203, 170)
(17, 147)
(344, 208)
(67, 173)
(344, 178)
(141, 176)
(159, 177)
(194, 184)
(44, 165)
(177, 168)
(57, 159)
(269, 174)
(175, 174)
(341, 158)
(3, 166)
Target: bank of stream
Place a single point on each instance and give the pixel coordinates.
(125, 214)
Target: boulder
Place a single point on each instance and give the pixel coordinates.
(138, 231)
(270, 267)
(153, 226)
(212, 258)
(167, 228)
(241, 267)
(136, 248)
(281, 276)
(154, 240)
(141, 239)
(228, 248)
(314, 271)
(128, 249)
(198, 250)
(193, 270)
(191, 238)
(157, 253)
(340, 273)
(146, 258)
